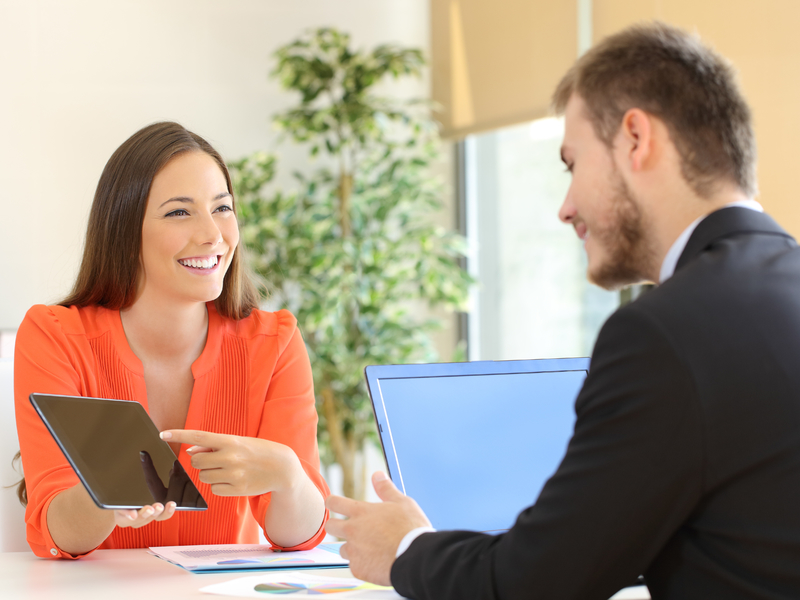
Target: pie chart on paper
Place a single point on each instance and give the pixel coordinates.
(312, 590)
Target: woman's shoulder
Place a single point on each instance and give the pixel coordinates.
(281, 324)
(69, 320)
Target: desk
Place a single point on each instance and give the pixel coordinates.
(107, 575)
(118, 575)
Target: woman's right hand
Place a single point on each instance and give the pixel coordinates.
(78, 526)
(145, 515)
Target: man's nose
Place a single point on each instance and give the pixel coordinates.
(567, 212)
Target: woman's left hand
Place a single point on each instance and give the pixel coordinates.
(236, 465)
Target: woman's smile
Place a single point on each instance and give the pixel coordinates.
(201, 265)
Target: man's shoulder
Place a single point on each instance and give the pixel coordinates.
(730, 268)
(730, 246)
(729, 316)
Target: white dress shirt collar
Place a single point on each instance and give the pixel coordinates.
(678, 246)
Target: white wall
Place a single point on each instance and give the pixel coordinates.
(78, 77)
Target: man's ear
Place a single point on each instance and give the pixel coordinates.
(635, 138)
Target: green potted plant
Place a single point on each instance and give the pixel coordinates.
(353, 252)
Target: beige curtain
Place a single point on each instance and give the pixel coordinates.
(761, 39)
(496, 63)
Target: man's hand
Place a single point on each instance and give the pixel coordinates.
(236, 465)
(374, 531)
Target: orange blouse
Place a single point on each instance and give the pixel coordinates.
(253, 378)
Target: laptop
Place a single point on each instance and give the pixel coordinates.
(474, 443)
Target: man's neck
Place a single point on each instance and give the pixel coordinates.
(670, 219)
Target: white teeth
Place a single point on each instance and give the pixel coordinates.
(203, 263)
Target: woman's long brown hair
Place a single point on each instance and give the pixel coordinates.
(109, 271)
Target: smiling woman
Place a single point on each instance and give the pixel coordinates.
(189, 232)
(164, 313)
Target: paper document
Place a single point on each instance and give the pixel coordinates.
(300, 585)
(249, 557)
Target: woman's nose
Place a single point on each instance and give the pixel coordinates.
(208, 231)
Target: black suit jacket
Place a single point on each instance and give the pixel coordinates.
(685, 460)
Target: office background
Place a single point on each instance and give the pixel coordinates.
(495, 66)
(79, 76)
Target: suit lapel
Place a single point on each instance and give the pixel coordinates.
(726, 222)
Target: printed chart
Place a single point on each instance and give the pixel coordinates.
(300, 584)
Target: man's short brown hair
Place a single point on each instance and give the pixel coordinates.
(670, 74)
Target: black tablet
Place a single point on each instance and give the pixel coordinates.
(114, 447)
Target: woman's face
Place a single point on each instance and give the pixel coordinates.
(189, 233)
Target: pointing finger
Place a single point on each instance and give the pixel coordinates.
(194, 437)
(191, 451)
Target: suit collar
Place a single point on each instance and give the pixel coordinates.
(726, 222)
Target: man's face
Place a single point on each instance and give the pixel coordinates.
(600, 206)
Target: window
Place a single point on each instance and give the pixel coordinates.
(533, 300)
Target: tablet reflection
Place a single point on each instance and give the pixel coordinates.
(180, 489)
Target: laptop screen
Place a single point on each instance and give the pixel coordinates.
(474, 443)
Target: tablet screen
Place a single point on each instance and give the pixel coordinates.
(114, 447)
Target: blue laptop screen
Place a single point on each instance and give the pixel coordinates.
(474, 450)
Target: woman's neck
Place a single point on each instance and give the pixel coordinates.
(164, 331)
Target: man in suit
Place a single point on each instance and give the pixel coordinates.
(685, 460)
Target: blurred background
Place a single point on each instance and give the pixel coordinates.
(80, 76)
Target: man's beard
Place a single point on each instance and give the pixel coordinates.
(629, 254)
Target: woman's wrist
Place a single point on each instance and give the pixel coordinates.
(295, 514)
(75, 523)
(293, 476)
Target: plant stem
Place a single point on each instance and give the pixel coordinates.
(345, 190)
(339, 444)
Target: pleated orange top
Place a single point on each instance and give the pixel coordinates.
(253, 378)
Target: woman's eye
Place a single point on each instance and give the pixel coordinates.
(224, 208)
(180, 212)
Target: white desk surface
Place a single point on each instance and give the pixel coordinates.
(127, 575)
(108, 575)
